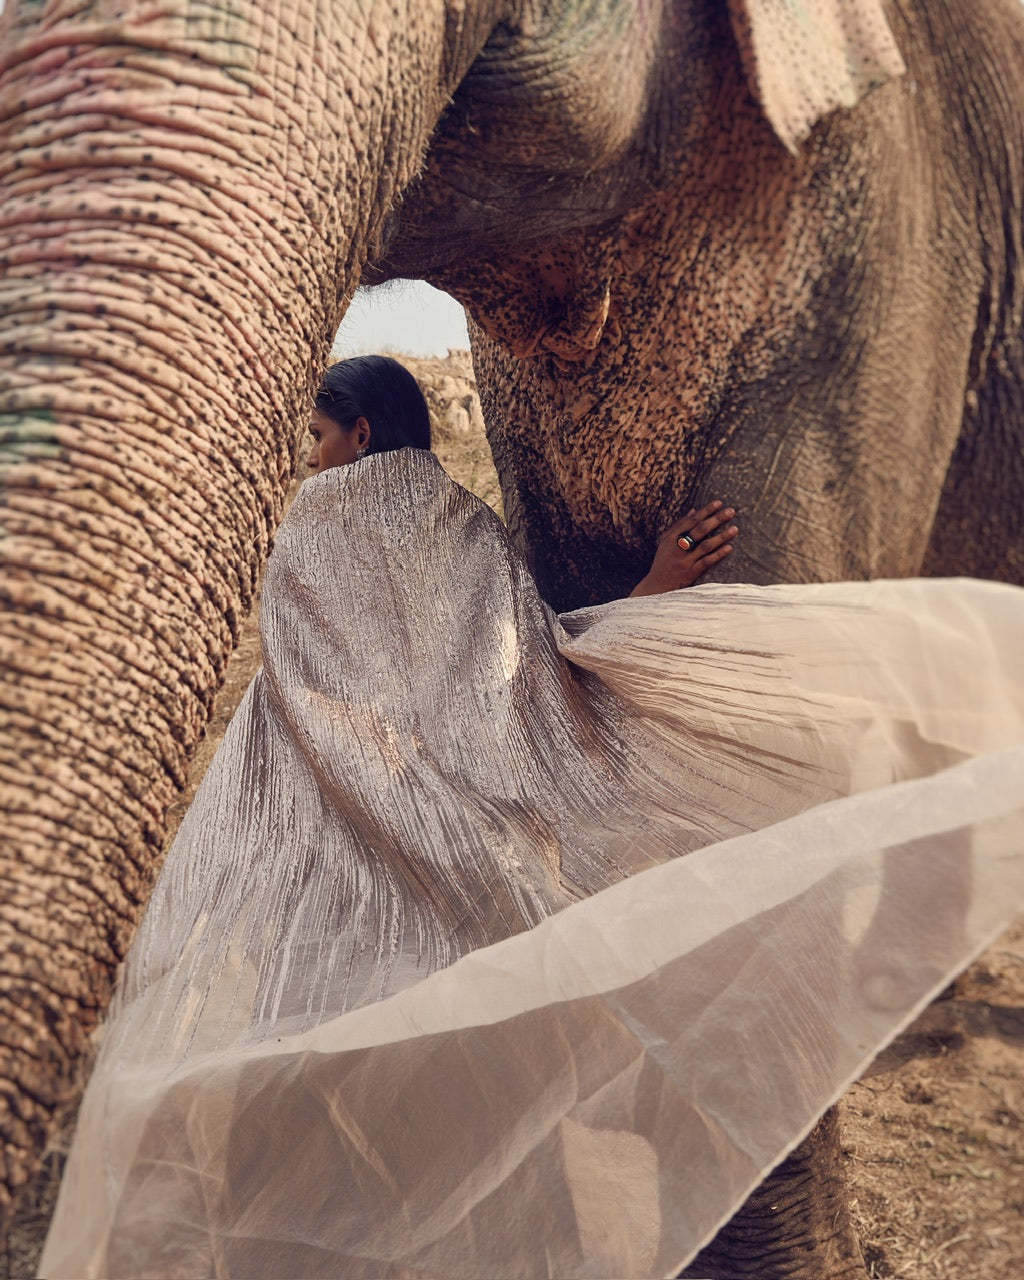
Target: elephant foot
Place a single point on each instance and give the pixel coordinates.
(795, 1226)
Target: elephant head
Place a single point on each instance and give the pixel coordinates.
(745, 294)
(623, 194)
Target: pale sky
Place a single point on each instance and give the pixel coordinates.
(406, 317)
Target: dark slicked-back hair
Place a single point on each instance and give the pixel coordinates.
(383, 392)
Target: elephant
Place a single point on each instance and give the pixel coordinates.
(828, 307)
(759, 249)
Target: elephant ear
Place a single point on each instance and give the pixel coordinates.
(804, 58)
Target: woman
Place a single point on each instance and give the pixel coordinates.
(378, 389)
(351, 394)
(425, 987)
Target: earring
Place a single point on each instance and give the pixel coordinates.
(361, 453)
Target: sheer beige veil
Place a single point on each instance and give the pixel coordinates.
(425, 987)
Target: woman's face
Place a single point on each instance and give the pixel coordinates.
(333, 444)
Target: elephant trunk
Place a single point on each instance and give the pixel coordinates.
(147, 369)
(188, 201)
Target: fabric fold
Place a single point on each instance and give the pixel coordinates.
(426, 986)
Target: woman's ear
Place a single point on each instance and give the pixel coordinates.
(362, 434)
(804, 58)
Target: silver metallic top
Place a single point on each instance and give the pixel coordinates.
(300, 1074)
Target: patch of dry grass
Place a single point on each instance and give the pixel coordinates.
(935, 1134)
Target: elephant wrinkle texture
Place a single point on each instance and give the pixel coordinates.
(759, 250)
(425, 987)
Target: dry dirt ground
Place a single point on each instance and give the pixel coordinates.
(933, 1132)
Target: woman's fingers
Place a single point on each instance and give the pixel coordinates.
(696, 528)
(688, 548)
(705, 562)
(687, 523)
(703, 538)
(710, 523)
(709, 552)
(707, 545)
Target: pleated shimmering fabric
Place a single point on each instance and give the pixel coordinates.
(425, 987)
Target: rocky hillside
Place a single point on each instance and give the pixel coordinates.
(449, 385)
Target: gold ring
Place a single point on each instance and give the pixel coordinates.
(685, 542)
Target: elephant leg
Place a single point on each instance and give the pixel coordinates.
(979, 525)
(978, 528)
(795, 1226)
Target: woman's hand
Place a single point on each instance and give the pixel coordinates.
(689, 548)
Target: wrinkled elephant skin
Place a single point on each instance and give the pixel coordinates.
(188, 197)
(829, 338)
(689, 275)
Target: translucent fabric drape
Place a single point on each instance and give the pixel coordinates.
(425, 987)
